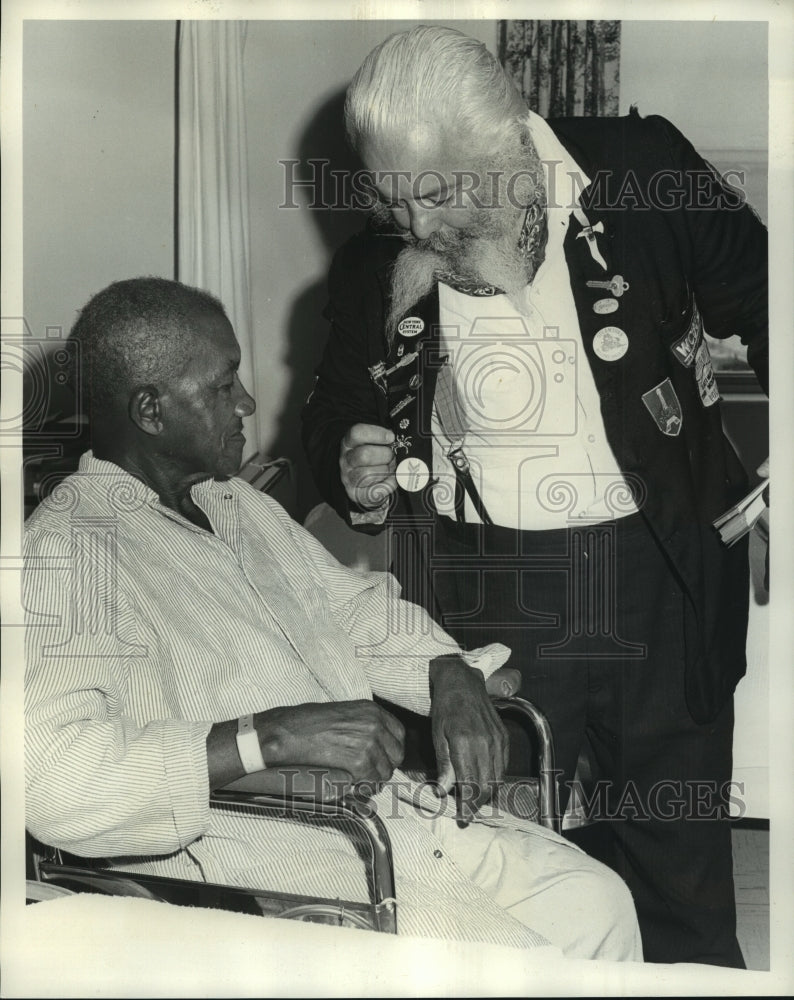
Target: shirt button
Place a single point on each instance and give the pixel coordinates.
(591, 438)
(437, 854)
(227, 496)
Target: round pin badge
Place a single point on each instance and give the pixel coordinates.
(610, 343)
(411, 326)
(604, 306)
(412, 474)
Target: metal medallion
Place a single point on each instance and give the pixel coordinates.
(610, 343)
(412, 475)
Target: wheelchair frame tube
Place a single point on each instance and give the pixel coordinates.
(348, 807)
(547, 778)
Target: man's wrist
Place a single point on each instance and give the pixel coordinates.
(248, 746)
(447, 667)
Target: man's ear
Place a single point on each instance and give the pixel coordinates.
(145, 410)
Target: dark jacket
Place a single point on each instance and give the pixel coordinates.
(684, 242)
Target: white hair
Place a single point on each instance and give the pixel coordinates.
(437, 73)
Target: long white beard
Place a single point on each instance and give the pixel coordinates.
(481, 260)
(414, 275)
(485, 253)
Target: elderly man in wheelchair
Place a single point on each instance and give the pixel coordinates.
(191, 650)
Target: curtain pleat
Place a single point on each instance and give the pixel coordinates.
(212, 201)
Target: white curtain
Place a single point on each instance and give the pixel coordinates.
(212, 211)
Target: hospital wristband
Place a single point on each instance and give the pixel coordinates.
(248, 745)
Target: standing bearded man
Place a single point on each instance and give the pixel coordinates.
(517, 382)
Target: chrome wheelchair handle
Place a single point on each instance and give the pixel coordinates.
(547, 778)
(350, 807)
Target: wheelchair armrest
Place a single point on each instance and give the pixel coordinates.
(347, 806)
(547, 777)
(320, 783)
(277, 794)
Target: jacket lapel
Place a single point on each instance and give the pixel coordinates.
(410, 382)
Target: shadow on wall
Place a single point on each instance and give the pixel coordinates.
(307, 329)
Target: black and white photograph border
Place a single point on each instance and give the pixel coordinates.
(177, 953)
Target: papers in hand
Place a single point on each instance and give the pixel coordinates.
(739, 520)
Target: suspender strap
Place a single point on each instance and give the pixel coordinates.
(450, 417)
(460, 499)
(463, 481)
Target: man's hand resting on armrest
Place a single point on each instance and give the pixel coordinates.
(470, 741)
(359, 737)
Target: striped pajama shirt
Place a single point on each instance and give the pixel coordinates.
(142, 630)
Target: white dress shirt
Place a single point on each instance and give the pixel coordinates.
(535, 437)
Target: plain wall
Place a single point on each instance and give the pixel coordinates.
(709, 78)
(98, 160)
(295, 76)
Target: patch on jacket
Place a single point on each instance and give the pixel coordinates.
(692, 349)
(704, 376)
(685, 348)
(663, 405)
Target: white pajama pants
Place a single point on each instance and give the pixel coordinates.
(549, 885)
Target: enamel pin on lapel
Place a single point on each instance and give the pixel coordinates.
(406, 359)
(377, 373)
(401, 405)
(604, 306)
(402, 443)
(588, 232)
(610, 343)
(412, 474)
(616, 285)
(704, 376)
(411, 326)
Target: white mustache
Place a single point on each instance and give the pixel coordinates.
(446, 241)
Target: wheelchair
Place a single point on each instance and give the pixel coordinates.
(311, 792)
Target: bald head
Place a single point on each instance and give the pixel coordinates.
(428, 78)
(136, 333)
